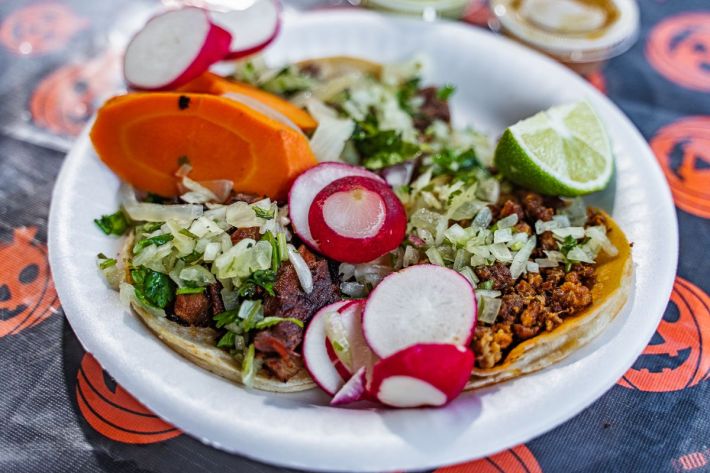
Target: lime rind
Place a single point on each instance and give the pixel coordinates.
(562, 151)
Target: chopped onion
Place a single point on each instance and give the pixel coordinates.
(353, 289)
(434, 256)
(332, 133)
(411, 256)
(487, 293)
(197, 274)
(501, 252)
(211, 251)
(574, 232)
(302, 271)
(598, 233)
(562, 221)
(468, 273)
(503, 235)
(507, 222)
(546, 263)
(542, 227)
(520, 259)
(483, 218)
(198, 194)
(533, 267)
(578, 254)
(221, 188)
(488, 308)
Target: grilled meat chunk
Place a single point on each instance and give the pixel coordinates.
(192, 309)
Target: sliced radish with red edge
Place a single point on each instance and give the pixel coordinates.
(315, 354)
(252, 28)
(420, 304)
(353, 390)
(173, 48)
(356, 219)
(422, 375)
(308, 185)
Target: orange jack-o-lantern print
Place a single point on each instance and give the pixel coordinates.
(679, 49)
(64, 101)
(114, 413)
(40, 28)
(516, 460)
(683, 150)
(27, 294)
(678, 356)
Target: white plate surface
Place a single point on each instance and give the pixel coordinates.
(497, 83)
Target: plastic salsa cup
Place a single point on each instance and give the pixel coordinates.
(583, 34)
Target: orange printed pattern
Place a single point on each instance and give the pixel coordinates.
(679, 357)
(516, 460)
(27, 294)
(64, 101)
(683, 151)
(40, 28)
(114, 413)
(679, 49)
(691, 461)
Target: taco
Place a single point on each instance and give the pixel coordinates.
(228, 284)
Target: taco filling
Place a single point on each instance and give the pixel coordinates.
(398, 187)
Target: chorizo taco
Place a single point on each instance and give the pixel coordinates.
(231, 280)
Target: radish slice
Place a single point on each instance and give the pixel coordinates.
(344, 331)
(263, 109)
(315, 353)
(340, 367)
(353, 390)
(308, 185)
(252, 28)
(422, 375)
(356, 219)
(173, 48)
(420, 304)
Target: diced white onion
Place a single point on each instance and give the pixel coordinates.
(533, 267)
(501, 252)
(211, 251)
(483, 218)
(598, 233)
(508, 222)
(302, 271)
(487, 293)
(503, 235)
(521, 258)
(353, 289)
(488, 308)
(198, 194)
(434, 256)
(542, 227)
(332, 133)
(574, 232)
(411, 256)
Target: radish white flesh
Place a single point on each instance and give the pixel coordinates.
(308, 185)
(359, 354)
(422, 375)
(420, 304)
(252, 28)
(315, 353)
(353, 390)
(263, 109)
(173, 48)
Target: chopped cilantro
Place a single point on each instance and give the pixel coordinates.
(150, 227)
(113, 224)
(275, 252)
(264, 278)
(381, 148)
(152, 288)
(267, 214)
(107, 263)
(190, 290)
(188, 234)
(406, 92)
(267, 322)
(449, 162)
(486, 285)
(227, 340)
(445, 92)
(225, 318)
(567, 244)
(192, 257)
(156, 240)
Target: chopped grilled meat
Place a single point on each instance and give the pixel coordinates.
(522, 227)
(192, 309)
(595, 218)
(511, 207)
(535, 208)
(547, 241)
(291, 301)
(241, 233)
(283, 368)
(215, 297)
(432, 109)
(499, 273)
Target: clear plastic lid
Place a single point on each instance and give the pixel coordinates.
(575, 31)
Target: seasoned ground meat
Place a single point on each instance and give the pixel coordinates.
(511, 207)
(291, 301)
(547, 241)
(499, 273)
(192, 309)
(534, 206)
(595, 218)
(522, 227)
(536, 303)
(241, 233)
(432, 109)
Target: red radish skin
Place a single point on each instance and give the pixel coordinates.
(315, 353)
(356, 219)
(252, 29)
(420, 304)
(308, 185)
(353, 390)
(422, 375)
(340, 367)
(174, 48)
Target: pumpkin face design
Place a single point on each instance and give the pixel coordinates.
(679, 49)
(40, 28)
(27, 294)
(677, 357)
(515, 460)
(683, 151)
(114, 413)
(64, 101)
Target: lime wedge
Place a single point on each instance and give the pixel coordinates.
(561, 151)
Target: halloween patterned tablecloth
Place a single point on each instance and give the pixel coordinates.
(60, 412)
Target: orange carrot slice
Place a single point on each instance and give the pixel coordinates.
(144, 137)
(209, 83)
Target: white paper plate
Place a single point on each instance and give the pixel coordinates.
(497, 83)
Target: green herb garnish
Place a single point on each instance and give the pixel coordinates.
(113, 224)
(152, 288)
(225, 318)
(156, 240)
(445, 92)
(190, 290)
(271, 321)
(381, 148)
(449, 162)
(486, 285)
(188, 234)
(263, 278)
(266, 214)
(227, 340)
